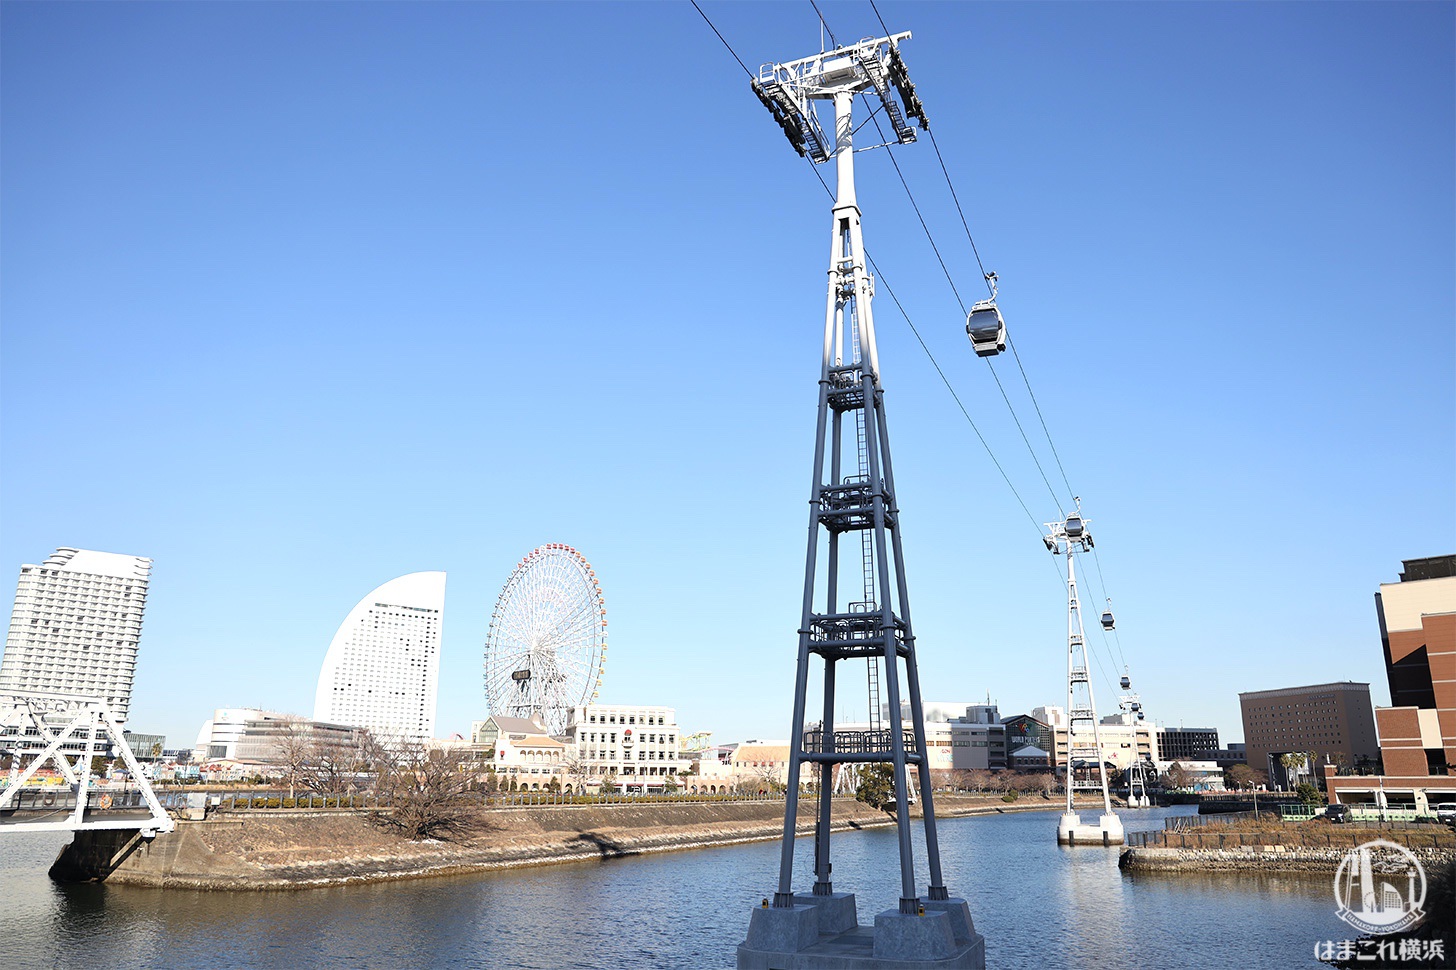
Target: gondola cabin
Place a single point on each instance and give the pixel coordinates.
(986, 329)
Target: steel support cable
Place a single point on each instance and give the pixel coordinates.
(1102, 586)
(828, 28)
(715, 30)
(975, 251)
(980, 264)
(936, 364)
(1056, 502)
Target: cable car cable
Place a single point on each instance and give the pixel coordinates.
(899, 306)
(720, 37)
(975, 250)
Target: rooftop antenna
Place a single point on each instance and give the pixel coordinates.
(854, 493)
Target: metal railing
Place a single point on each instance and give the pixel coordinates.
(265, 800)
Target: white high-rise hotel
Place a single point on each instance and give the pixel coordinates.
(382, 668)
(75, 627)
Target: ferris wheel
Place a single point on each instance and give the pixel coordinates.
(547, 643)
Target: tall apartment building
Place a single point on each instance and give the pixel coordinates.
(382, 668)
(1187, 744)
(76, 626)
(637, 745)
(1324, 721)
(1417, 621)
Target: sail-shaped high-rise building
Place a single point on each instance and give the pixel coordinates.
(382, 668)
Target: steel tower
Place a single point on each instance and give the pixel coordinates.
(855, 604)
(1067, 538)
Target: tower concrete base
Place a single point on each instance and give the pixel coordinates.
(1107, 830)
(943, 938)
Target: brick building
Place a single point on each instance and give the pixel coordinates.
(1417, 621)
(1326, 722)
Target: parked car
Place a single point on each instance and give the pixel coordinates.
(1339, 813)
(1446, 813)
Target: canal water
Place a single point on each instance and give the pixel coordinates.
(1039, 906)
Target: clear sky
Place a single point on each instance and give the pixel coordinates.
(301, 297)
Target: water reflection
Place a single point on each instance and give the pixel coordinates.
(1039, 905)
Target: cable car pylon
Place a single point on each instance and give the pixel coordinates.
(1066, 538)
(854, 492)
(1139, 771)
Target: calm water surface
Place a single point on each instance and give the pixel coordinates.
(1039, 906)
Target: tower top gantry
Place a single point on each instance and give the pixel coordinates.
(789, 91)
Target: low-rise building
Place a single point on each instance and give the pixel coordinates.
(1123, 742)
(1191, 775)
(636, 746)
(1227, 757)
(1187, 743)
(764, 764)
(145, 747)
(253, 738)
(1024, 730)
(974, 740)
(522, 755)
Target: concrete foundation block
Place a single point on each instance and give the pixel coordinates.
(1107, 830)
(914, 938)
(959, 912)
(783, 930)
(836, 911)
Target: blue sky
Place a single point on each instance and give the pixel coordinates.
(301, 297)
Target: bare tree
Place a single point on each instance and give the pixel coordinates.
(766, 774)
(428, 792)
(1178, 776)
(979, 779)
(574, 769)
(293, 749)
(1242, 776)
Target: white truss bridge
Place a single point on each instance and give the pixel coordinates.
(38, 729)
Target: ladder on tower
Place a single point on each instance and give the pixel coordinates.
(866, 537)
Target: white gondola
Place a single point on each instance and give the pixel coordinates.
(1074, 526)
(986, 329)
(1126, 682)
(1107, 621)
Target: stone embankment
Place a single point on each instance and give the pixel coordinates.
(1313, 847)
(1256, 858)
(296, 851)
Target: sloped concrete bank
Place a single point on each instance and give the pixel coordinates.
(305, 851)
